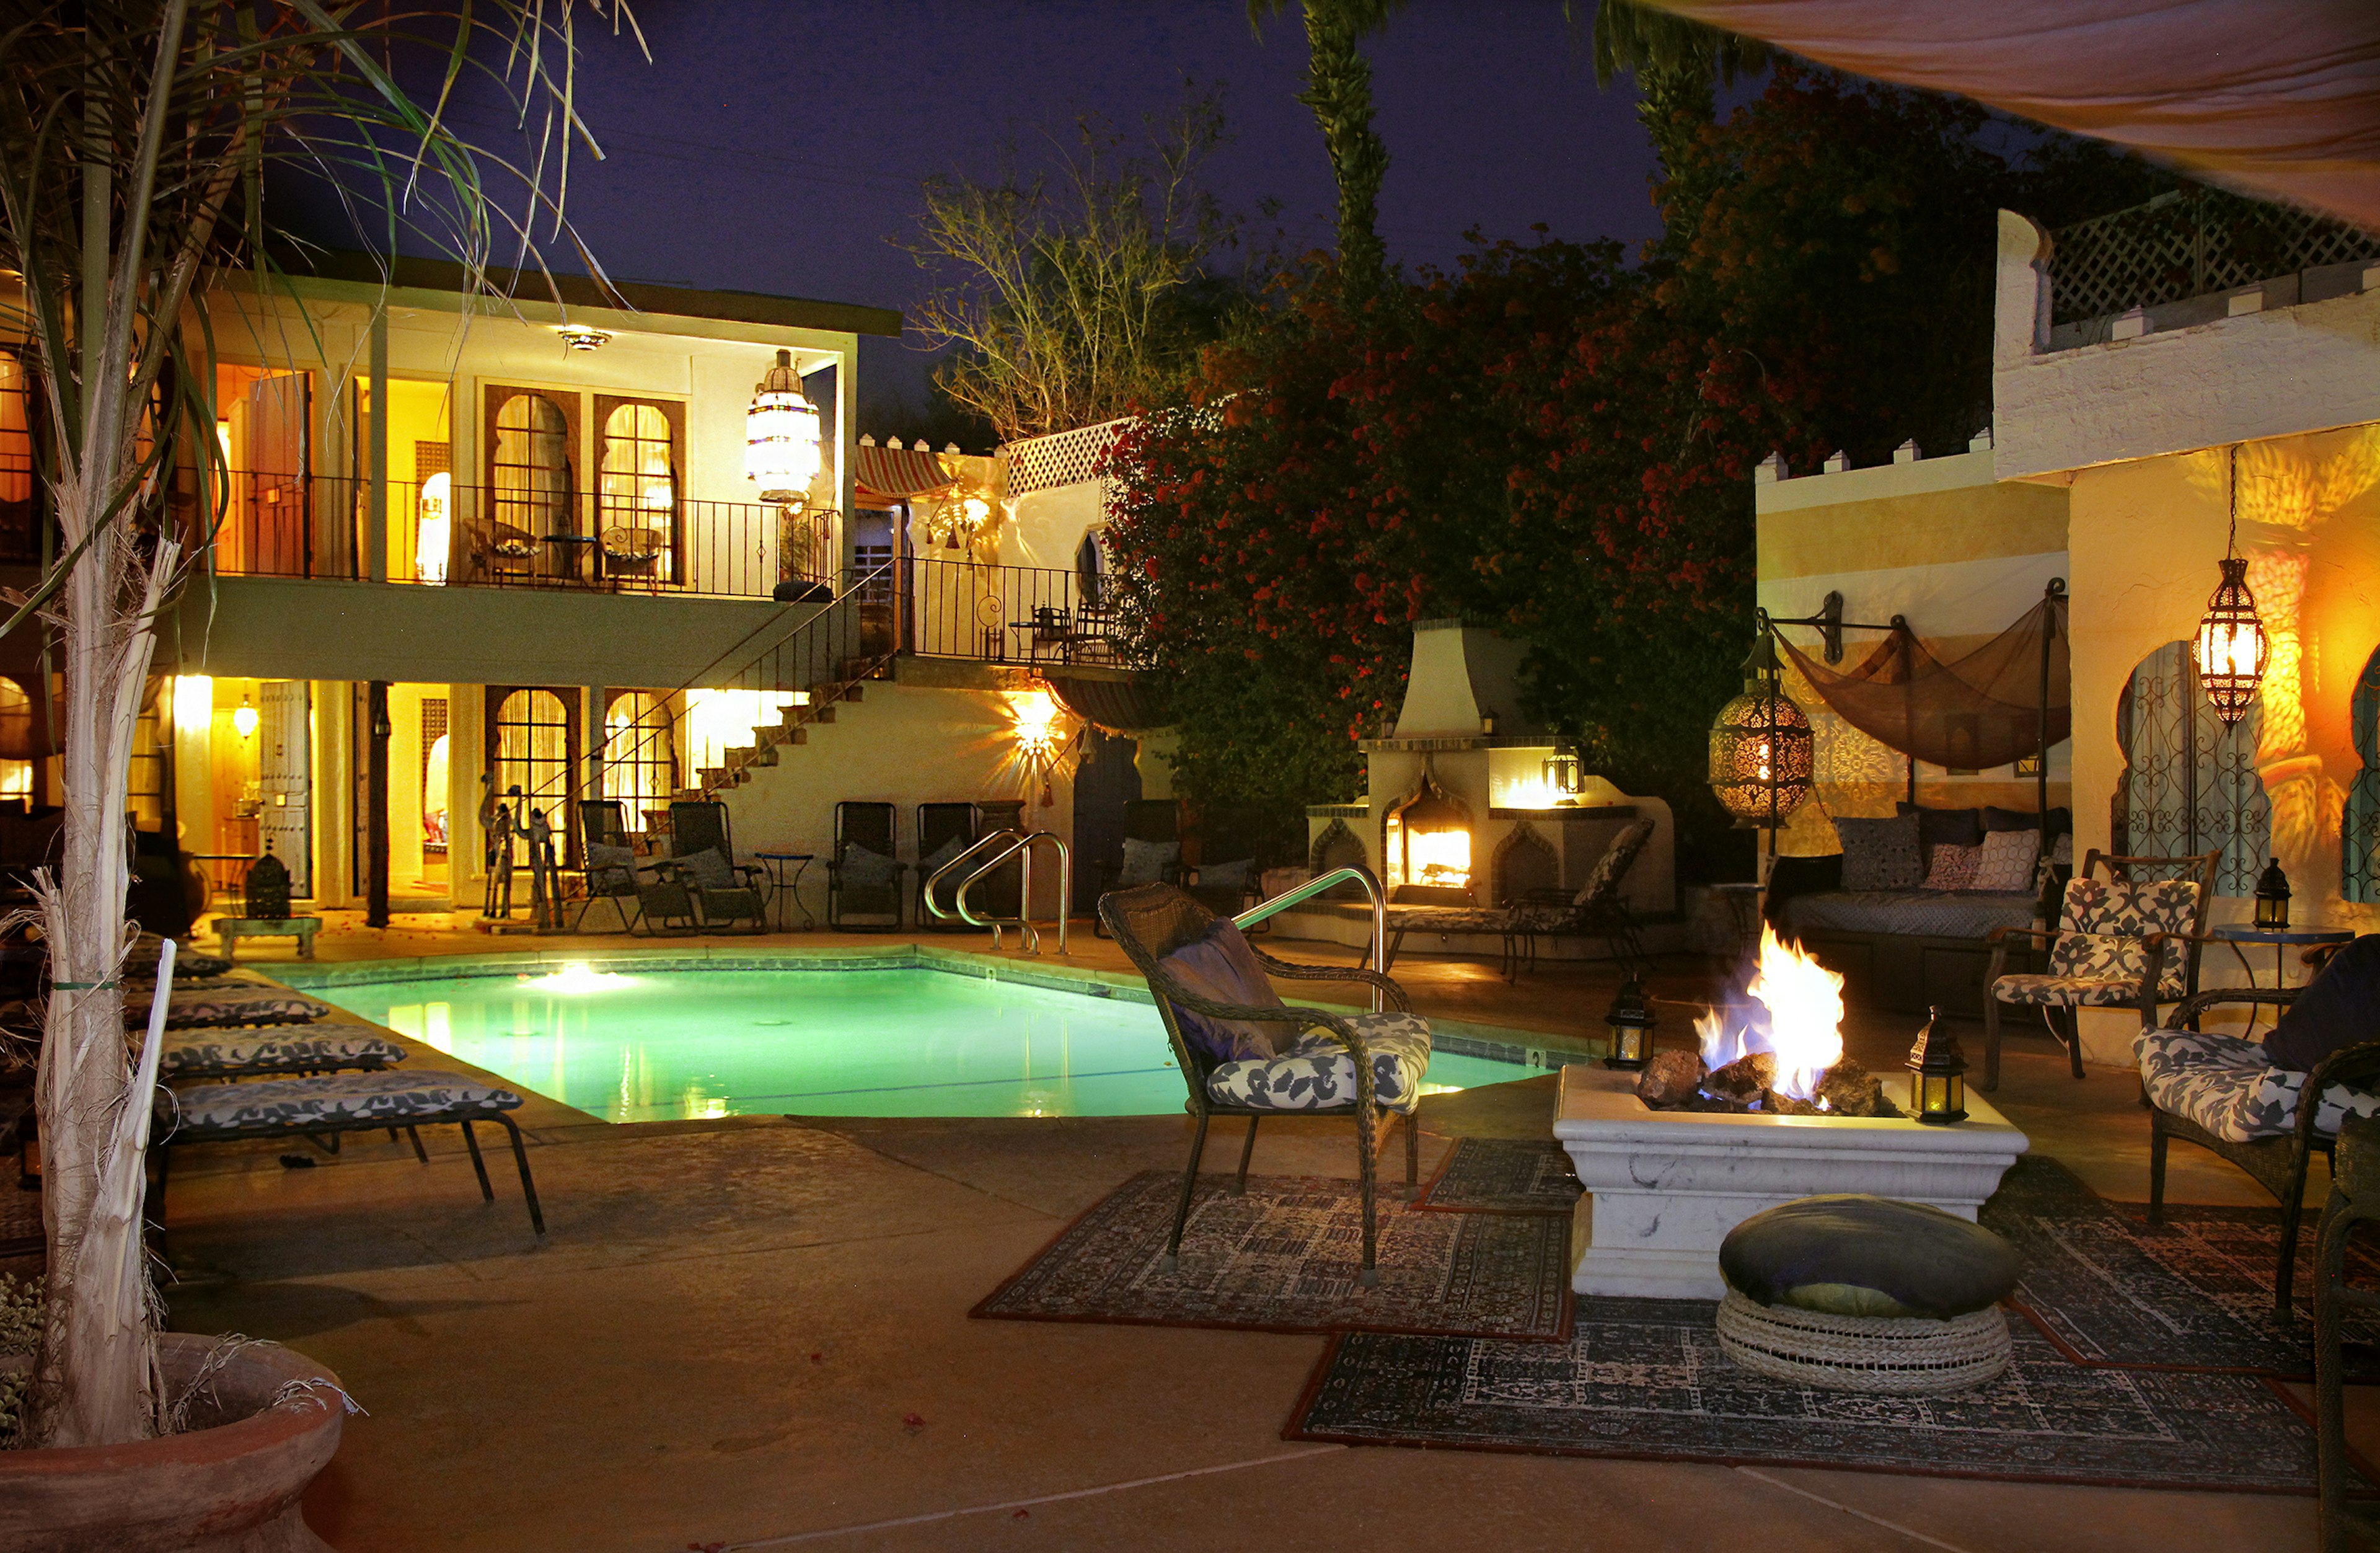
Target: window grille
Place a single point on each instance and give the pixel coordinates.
(436, 751)
(2189, 784)
(530, 748)
(2185, 244)
(529, 466)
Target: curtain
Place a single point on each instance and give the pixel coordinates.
(1977, 711)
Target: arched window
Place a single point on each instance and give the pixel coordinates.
(16, 748)
(2189, 784)
(639, 753)
(1090, 571)
(531, 750)
(638, 488)
(529, 466)
(15, 431)
(2359, 838)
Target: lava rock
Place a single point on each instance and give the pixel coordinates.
(1744, 1079)
(1851, 1090)
(1671, 1080)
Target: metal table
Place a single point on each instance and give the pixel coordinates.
(781, 885)
(2305, 934)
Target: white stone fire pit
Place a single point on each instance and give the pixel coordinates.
(1665, 1187)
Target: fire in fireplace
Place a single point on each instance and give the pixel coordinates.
(1429, 845)
(1775, 1048)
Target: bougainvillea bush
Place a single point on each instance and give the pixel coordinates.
(1559, 444)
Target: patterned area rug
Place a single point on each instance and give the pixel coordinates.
(2194, 1292)
(1499, 1175)
(1644, 1378)
(1283, 1258)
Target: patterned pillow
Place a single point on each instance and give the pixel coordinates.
(1954, 867)
(2005, 865)
(1219, 966)
(232, 1005)
(1226, 875)
(1881, 854)
(1144, 862)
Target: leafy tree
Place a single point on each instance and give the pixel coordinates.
(1069, 297)
(136, 138)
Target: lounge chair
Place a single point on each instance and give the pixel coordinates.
(944, 830)
(1329, 1064)
(702, 860)
(1152, 850)
(863, 873)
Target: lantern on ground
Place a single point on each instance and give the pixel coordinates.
(1760, 746)
(2232, 646)
(1938, 1083)
(1631, 1020)
(781, 436)
(2272, 898)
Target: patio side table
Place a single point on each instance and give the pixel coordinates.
(2239, 935)
(782, 886)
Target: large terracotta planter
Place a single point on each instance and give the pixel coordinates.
(231, 1488)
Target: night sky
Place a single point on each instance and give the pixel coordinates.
(779, 147)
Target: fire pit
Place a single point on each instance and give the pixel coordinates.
(1665, 1183)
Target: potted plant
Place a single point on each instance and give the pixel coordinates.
(136, 137)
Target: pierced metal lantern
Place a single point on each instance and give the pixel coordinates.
(264, 893)
(2232, 646)
(1631, 1020)
(1760, 747)
(1564, 773)
(2272, 898)
(1937, 1085)
(780, 435)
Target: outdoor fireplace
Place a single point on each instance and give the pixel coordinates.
(1767, 1110)
(1427, 837)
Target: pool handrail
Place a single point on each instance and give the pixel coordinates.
(979, 844)
(1023, 844)
(1312, 887)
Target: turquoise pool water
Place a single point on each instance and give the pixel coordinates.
(631, 1047)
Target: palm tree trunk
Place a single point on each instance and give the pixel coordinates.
(1339, 90)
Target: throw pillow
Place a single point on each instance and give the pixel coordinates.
(1144, 862)
(1945, 827)
(1226, 875)
(941, 855)
(2005, 865)
(865, 869)
(2338, 1009)
(1220, 967)
(707, 869)
(1954, 867)
(1881, 854)
(2061, 821)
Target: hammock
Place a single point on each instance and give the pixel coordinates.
(1974, 712)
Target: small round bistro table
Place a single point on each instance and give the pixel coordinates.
(782, 886)
(2305, 936)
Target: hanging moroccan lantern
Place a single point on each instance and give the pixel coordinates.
(780, 435)
(2232, 646)
(1760, 747)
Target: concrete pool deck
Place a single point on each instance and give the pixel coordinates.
(733, 1322)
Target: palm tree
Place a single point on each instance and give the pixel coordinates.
(1675, 62)
(1339, 90)
(135, 140)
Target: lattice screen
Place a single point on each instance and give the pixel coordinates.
(1060, 459)
(2185, 245)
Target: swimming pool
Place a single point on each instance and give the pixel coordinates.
(635, 1044)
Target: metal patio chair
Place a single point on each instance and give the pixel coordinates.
(723, 893)
(863, 874)
(1149, 923)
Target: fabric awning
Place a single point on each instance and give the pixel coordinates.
(887, 475)
(2280, 99)
(1128, 705)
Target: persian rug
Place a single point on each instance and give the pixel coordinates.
(1500, 1175)
(1644, 1379)
(1284, 1258)
(2194, 1292)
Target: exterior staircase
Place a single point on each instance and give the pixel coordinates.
(792, 728)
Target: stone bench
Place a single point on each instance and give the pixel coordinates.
(229, 931)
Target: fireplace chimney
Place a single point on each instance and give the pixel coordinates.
(1462, 675)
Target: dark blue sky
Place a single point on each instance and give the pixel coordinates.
(779, 147)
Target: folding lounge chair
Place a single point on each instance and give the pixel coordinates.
(702, 860)
(1152, 850)
(944, 830)
(863, 874)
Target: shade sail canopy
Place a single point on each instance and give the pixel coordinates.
(2280, 99)
(886, 475)
(1982, 709)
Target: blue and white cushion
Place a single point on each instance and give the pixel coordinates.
(2230, 1087)
(332, 1100)
(230, 1005)
(295, 1049)
(1315, 1073)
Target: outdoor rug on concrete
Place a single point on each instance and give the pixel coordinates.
(1499, 1175)
(1283, 1258)
(2195, 1292)
(1644, 1379)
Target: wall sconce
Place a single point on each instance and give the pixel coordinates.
(1038, 747)
(243, 721)
(581, 337)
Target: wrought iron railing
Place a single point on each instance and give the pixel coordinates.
(2189, 243)
(1023, 615)
(317, 526)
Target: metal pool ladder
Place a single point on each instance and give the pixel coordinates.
(1009, 844)
(1313, 887)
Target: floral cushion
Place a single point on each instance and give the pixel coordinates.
(2066, 992)
(2006, 863)
(1954, 866)
(231, 1005)
(298, 1048)
(2230, 1087)
(335, 1099)
(1315, 1073)
(2104, 923)
(1604, 878)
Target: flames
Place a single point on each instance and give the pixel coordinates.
(1799, 1018)
(1439, 857)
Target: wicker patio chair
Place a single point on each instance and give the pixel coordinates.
(1149, 923)
(2354, 1199)
(863, 874)
(2217, 1070)
(2110, 949)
